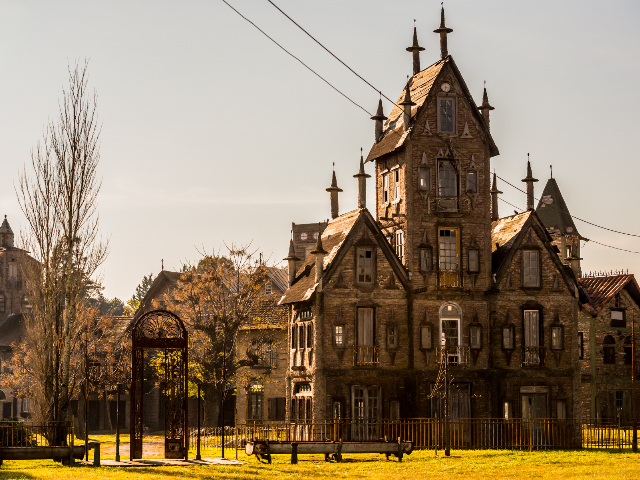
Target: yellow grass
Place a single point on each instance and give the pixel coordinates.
(423, 464)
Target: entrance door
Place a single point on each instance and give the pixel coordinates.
(534, 404)
(366, 412)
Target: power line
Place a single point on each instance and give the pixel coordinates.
(572, 216)
(592, 241)
(292, 55)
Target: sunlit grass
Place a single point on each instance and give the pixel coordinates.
(485, 464)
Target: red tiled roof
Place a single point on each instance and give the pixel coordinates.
(602, 289)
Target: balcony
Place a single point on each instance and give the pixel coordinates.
(453, 355)
(365, 355)
(533, 356)
(449, 278)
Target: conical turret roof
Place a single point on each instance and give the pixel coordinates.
(553, 210)
(5, 227)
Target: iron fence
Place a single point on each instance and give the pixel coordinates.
(25, 434)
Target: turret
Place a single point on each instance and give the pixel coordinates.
(443, 31)
(291, 261)
(485, 108)
(529, 180)
(6, 234)
(415, 49)
(362, 183)
(494, 200)
(319, 252)
(333, 191)
(379, 118)
(407, 103)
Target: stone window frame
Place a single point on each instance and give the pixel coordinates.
(507, 410)
(561, 410)
(255, 401)
(439, 98)
(628, 350)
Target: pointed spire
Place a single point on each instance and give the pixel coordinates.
(6, 234)
(362, 183)
(529, 180)
(333, 191)
(291, 260)
(319, 252)
(415, 49)
(379, 118)
(407, 103)
(494, 199)
(485, 108)
(443, 31)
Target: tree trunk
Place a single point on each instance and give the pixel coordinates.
(82, 407)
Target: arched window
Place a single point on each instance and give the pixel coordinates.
(609, 350)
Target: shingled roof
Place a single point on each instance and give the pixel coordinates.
(394, 134)
(304, 283)
(602, 289)
(553, 211)
(279, 277)
(503, 235)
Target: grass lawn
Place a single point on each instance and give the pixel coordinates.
(487, 464)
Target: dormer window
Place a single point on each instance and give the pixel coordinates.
(447, 115)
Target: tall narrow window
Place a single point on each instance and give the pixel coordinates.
(475, 337)
(13, 271)
(396, 185)
(365, 265)
(400, 245)
(507, 410)
(580, 345)
(425, 337)
(474, 260)
(394, 410)
(385, 188)
(338, 335)
(609, 350)
(294, 337)
(508, 342)
(447, 179)
(301, 331)
(255, 402)
(426, 261)
(424, 182)
(472, 182)
(267, 288)
(449, 257)
(531, 268)
(392, 336)
(557, 337)
(561, 409)
(310, 335)
(628, 351)
(532, 349)
(365, 349)
(447, 115)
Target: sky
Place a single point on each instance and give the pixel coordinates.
(212, 135)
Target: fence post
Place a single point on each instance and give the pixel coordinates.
(235, 428)
(294, 453)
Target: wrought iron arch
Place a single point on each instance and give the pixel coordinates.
(161, 330)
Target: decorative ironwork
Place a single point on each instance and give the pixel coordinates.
(365, 355)
(453, 355)
(533, 356)
(164, 332)
(449, 278)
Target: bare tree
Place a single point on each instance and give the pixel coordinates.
(58, 199)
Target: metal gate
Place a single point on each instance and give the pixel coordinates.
(165, 333)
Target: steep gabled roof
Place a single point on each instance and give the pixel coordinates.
(508, 233)
(420, 86)
(162, 279)
(601, 290)
(336, 239)
(279, 277)
(553, 211)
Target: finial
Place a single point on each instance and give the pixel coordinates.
(551, 167)
(318, 248)
(443, 31)
(379, 118)
(162, 264)
(415, 49)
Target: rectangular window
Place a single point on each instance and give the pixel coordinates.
(507, 338)
(474, 262)
(472, 182)
(424, 182)
(561, 409)
(530, 268)
(255, 399)
(385, 188)
(267, 288)
(337, 410)
(338, 335)
(580, 345)
(13, 271)
(447, 179)
(556, 338)
(365, 265)
(447, 115)
(425, 260)
(506, 407)
(425, 337)
(392, 336)
(396, 184)
(277, 408)
(294, 337)
(310, 335)
(450, 336)
(628, 355)
(609, 355)
(365, 326)
(449, 257)
(532, 337)
(617, 318)
(475, 337)
(400, 245)
(301, 331)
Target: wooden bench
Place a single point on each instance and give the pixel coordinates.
(263, 449)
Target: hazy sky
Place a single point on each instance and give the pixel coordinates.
(212, 134)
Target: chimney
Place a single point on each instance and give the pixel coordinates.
(494, 200)
(362, 184)
(333, 191)
(443, 31)
(379, 118)
(406, 105)
(291, 261)
(529, 180)
(319, 252)
(485, 108)
(415, 49)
